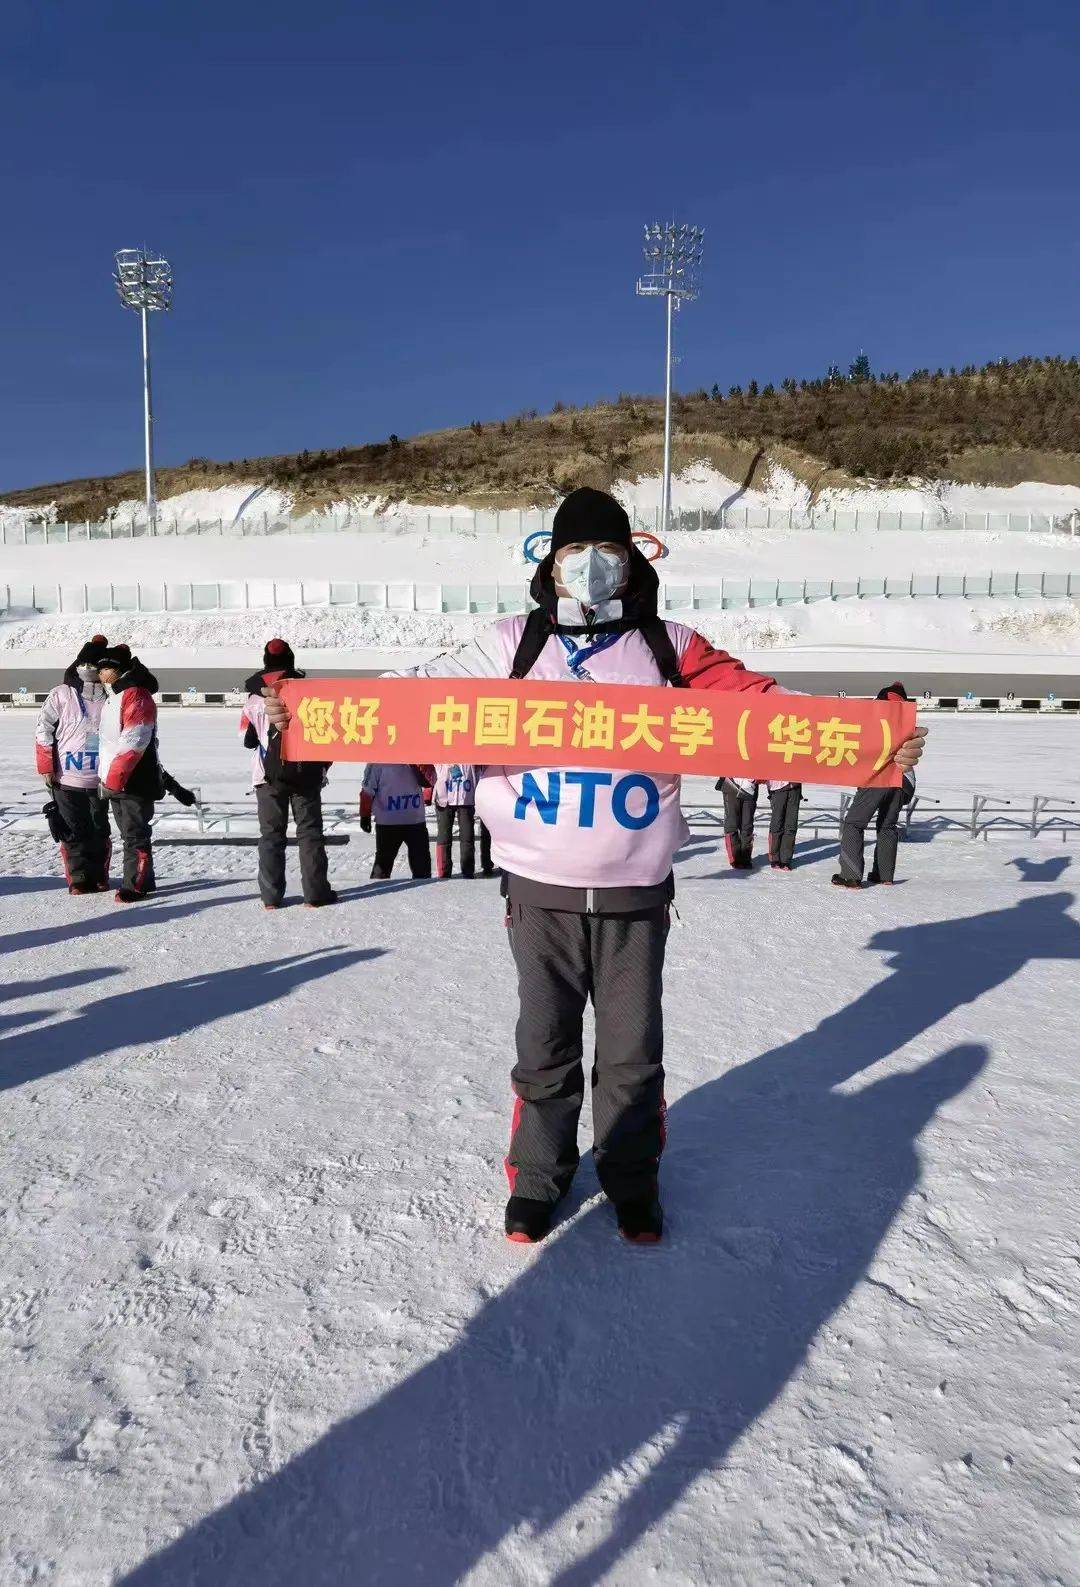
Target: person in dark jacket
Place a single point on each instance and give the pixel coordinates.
(397, 798)
(785, 799)
(66, 741)
(869, 804)
(283, 785)
(740, 807)
(128, 763)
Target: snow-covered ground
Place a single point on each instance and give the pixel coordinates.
(972, 629)
(258, 1324)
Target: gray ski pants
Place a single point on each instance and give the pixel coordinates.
(739, 812)
(274, 806)
(885, 804)
(784, 823)
(564, 959)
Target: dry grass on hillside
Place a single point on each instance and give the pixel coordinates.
(1001, 424)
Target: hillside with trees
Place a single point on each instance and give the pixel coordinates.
(1006, 422)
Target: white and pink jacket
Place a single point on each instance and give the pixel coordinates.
(455, 786)
(585, 827)
(254, 717)
(66, 738)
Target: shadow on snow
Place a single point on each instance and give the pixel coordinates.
(151, 1014)
(647, 1364)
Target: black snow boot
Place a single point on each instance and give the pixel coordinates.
(528, 1221)
(641, 1221)
(845, 881)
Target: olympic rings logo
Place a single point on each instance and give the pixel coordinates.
(652, 548)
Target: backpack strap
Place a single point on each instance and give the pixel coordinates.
(654, 631)
(534, 636)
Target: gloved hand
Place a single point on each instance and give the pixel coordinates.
(49, 780)
(365, 823)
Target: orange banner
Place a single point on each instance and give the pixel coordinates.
(492, 721)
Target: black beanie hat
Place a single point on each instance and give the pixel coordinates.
(92, 652)
(278, 656)
(590, 516)
(894, 691)
(118, 656)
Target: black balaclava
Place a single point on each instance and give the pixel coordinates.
(591, 516)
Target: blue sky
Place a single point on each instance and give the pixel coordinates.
(396, 217)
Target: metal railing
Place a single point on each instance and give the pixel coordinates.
(925, 819)
(517, 522)
(40, 599)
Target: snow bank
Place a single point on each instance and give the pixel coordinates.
(403, 553)
(701, 486)
(959, 628)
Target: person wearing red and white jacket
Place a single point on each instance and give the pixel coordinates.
(129, 767)
(66, 744)
(587, 860)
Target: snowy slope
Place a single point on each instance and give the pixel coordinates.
(950, 627)
(258, 1325)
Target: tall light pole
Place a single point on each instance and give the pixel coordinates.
(145, 284)
(672, 259)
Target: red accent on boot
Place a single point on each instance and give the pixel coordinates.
(515, 1120)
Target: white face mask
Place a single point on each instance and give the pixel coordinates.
(592, 575)
(87, 672)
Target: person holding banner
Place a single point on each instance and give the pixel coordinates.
(586, 851)
(280, 787)
(785, 799)
(740, 807)
(882, 805)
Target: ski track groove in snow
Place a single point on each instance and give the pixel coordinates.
(258, 1324)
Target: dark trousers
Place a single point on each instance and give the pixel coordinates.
(885, 804)
(563, 960)
(133, 815)
(306, 805)
(389, 836)
(739, 811)
(444, 839)
(784, 823)
(86, 852)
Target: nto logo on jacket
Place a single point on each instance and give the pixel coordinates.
(404, 801)
(634, 798)
(80, 760)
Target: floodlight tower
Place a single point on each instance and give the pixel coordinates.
(672, 260)
(145, 283)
